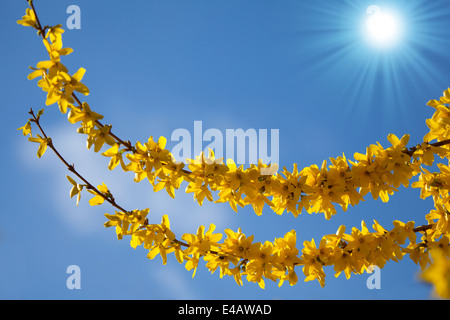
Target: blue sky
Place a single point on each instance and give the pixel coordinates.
(303, 67)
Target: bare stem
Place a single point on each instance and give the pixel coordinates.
(71, 167)
(423, 228)
(411, 150)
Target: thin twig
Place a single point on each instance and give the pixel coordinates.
(71, 167)
(411, 150)
(423, 228)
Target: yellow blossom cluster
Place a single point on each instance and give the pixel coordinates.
(316, 189)
(437, 185)
(439, 273)
(238, 255)
(439, 124)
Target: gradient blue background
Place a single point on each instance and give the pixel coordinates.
(302, 67)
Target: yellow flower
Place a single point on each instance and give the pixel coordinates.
(326, 192)
(162, 249)
(370, 171)
(151, 235)
(165, 228)
(388, 242)
(158, 154)
(26, 129)
(76, 189)
(170, 178)
(219, 260)
(52, 67)
(173, 168)
(55, 50)
(116, 157)
(119, 221)
(55, 33)
(236, 177)
(84, 114)
(168, 184)
(226, 194)
(360, 242)
(418, 253)
(344, 262)
(128, 223)
(439, 124)
(442, 216)
(192, 263)
(213, 167)
(163, 243)
(286, 258)
(442, 244)
(438, 273)
(201, 190)
(98, 137)
(73, 83)
(42, 72)
(137, 163)
(43, 142)
(426, 153)
(314, 259)
(238, 244)
(98, 199)
(405, 230)
(260, 264)
(29, 19)
(136, 219)
(258, 203)
(202, 242)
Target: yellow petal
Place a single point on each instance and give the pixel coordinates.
(71, 180)
(65, 51)
(392, 138)
(97, 200)
(79, 74)
(162, 142)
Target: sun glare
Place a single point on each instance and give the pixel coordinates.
(383, 28)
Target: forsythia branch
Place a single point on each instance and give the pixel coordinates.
(380, 171)
(272, 260)
(71, 167)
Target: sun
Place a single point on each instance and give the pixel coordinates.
(383, 28)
